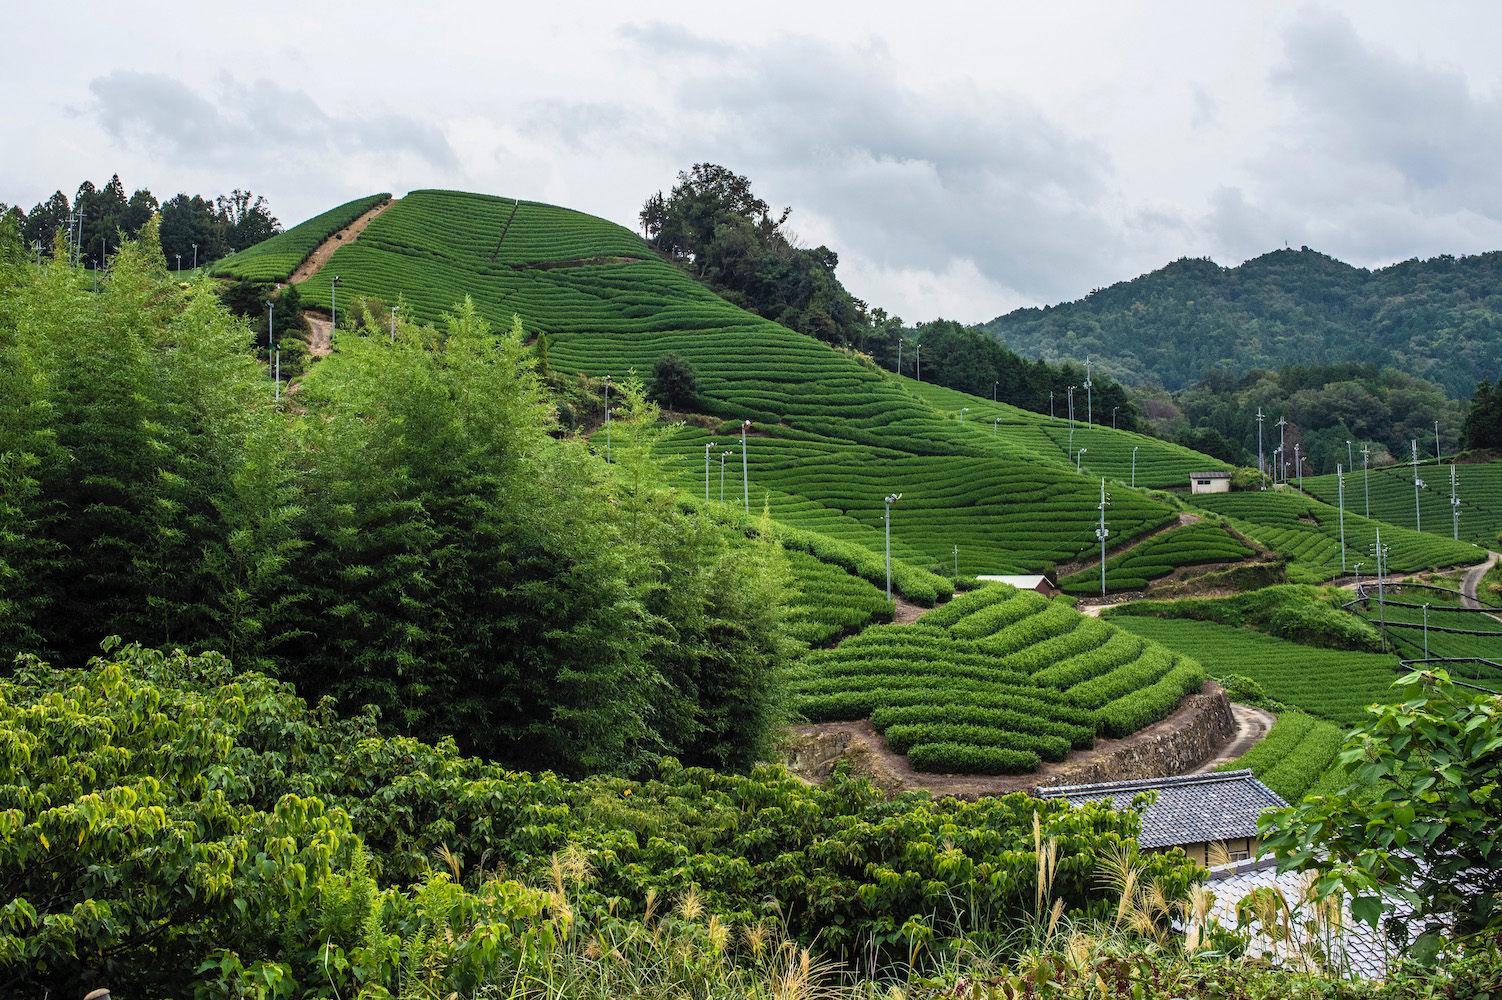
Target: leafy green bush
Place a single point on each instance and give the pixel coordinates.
(961, 758)
(1304, 614)
(1130, 713)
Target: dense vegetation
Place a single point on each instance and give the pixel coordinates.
(1338, 414)
(1390, 496)
(1295, 757)
(410, 536)
(1437, 319)
(171, 824)
(1300, 613)
(99, 218)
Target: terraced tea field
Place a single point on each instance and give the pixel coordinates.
(275, 259)
(995, 682)
(832, 435)
(1333, 684)
(1004, 516)
(1446, 634)
(1308, 532)
(1295, 757)
(1192, 545)
(832, 602)
(1478, 487)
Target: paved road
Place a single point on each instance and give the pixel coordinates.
(1472, 580)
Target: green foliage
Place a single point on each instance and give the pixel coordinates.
(1483, 419)
(1418, 832)
(1294, 755)
(1307, 532)
(1390, 494)
(173, 826)
(1191, 545)
(275, 259)
(1311, 616)
(1334, 685)
(675, 384)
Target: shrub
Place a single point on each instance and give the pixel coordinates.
(960, 758)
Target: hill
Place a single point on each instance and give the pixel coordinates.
(1437, 318)
(832, 433)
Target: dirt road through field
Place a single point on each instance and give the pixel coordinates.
(326, 249)
(1472, 580)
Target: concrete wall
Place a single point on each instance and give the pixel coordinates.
(1209, 486)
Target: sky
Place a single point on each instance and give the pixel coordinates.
(962, 159)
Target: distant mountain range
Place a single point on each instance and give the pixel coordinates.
(1440, 319)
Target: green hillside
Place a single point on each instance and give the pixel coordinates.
(1439, 319)
(275, 259)
(1391, 496)
(832, 434)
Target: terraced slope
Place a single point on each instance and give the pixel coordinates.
(1107, 453)
(1478, 487)
(832, 434)
(1192, 545)
(1308, 532)
(1333, 684)
(275, 259)
(995, 682)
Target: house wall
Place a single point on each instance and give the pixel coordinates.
(1209, 486)
(1238, 848)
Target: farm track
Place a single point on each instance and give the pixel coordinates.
(325, 250)
(1472, 580)
(1252, 725)
(1080, 565)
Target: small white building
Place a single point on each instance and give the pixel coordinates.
(1041, 584)
(1209, 482)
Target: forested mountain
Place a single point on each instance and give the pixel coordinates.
(1439, 319)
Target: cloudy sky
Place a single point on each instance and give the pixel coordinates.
(962, 159)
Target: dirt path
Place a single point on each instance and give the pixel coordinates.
(892, 770)
(326, 249)
(1472, 580)
(1252, 724)
(907, 611)
(320, 334)
(1080, 565)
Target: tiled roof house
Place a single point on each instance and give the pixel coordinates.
(1192, 811)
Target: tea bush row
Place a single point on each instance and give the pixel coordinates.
(276, 258)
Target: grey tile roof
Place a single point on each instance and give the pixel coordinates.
(1191, 808)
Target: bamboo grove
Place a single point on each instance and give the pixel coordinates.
(404, 531)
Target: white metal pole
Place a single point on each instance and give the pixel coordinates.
(1088, 419)
(1340, 485)
(1426, 631)
(393, 324)
(993, 427)
(1436, 441)
(1454, 506)
(1077, 457)
(1101, 533)
(890, 499)
(963, 410)
(1365, 485)
(745, 475)
(723, 455)
(1134, 466)
(1418, 524)
(706, 473)
(607, 419)
(1261, 467)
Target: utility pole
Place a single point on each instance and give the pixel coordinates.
(993, 428)
(1454, 505)
(963, 410)
(334, 316)
(1087, 393)
(723, 455)
(1101, 533)
(1381, 609)
(994, 387)
(1050, 392)
(1340, 485)
(393, 323)
(745, 474)
(1134, 466)
(706, 474)
(899, 355)
(1298, 468)
(1418, 484)
(1282, 444)
(918, 350)
(607, 419)
(1350, 462)
(1436, 441)
(1365, 486)
(1260, 466)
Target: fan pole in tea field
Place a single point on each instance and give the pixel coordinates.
(607, 419)
(745, 475)
(334, 301)
(963, 410)
(1341, 502)
(994, 386)
(1101, 533)
(706, 474)
(1436, 440)
(1418, 484)
(1282, 445)
(1426, 631)
(1134, 466)
(1261, 468)
(723, 455)
(393, 323)
(1088, 418)
(890, 499)
(1298, 467)
(1050, 392)
(993, 427)
(1077, 457)
(1365, 485)
(1454, 506)
(1381, 609)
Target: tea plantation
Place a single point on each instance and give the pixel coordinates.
(1192, 545)
(275, 259)
(1296, 757)
(1333, 684)
(1390, 490)
(1308, 533)
(995, 682)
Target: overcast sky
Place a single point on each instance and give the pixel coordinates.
(962, 159)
